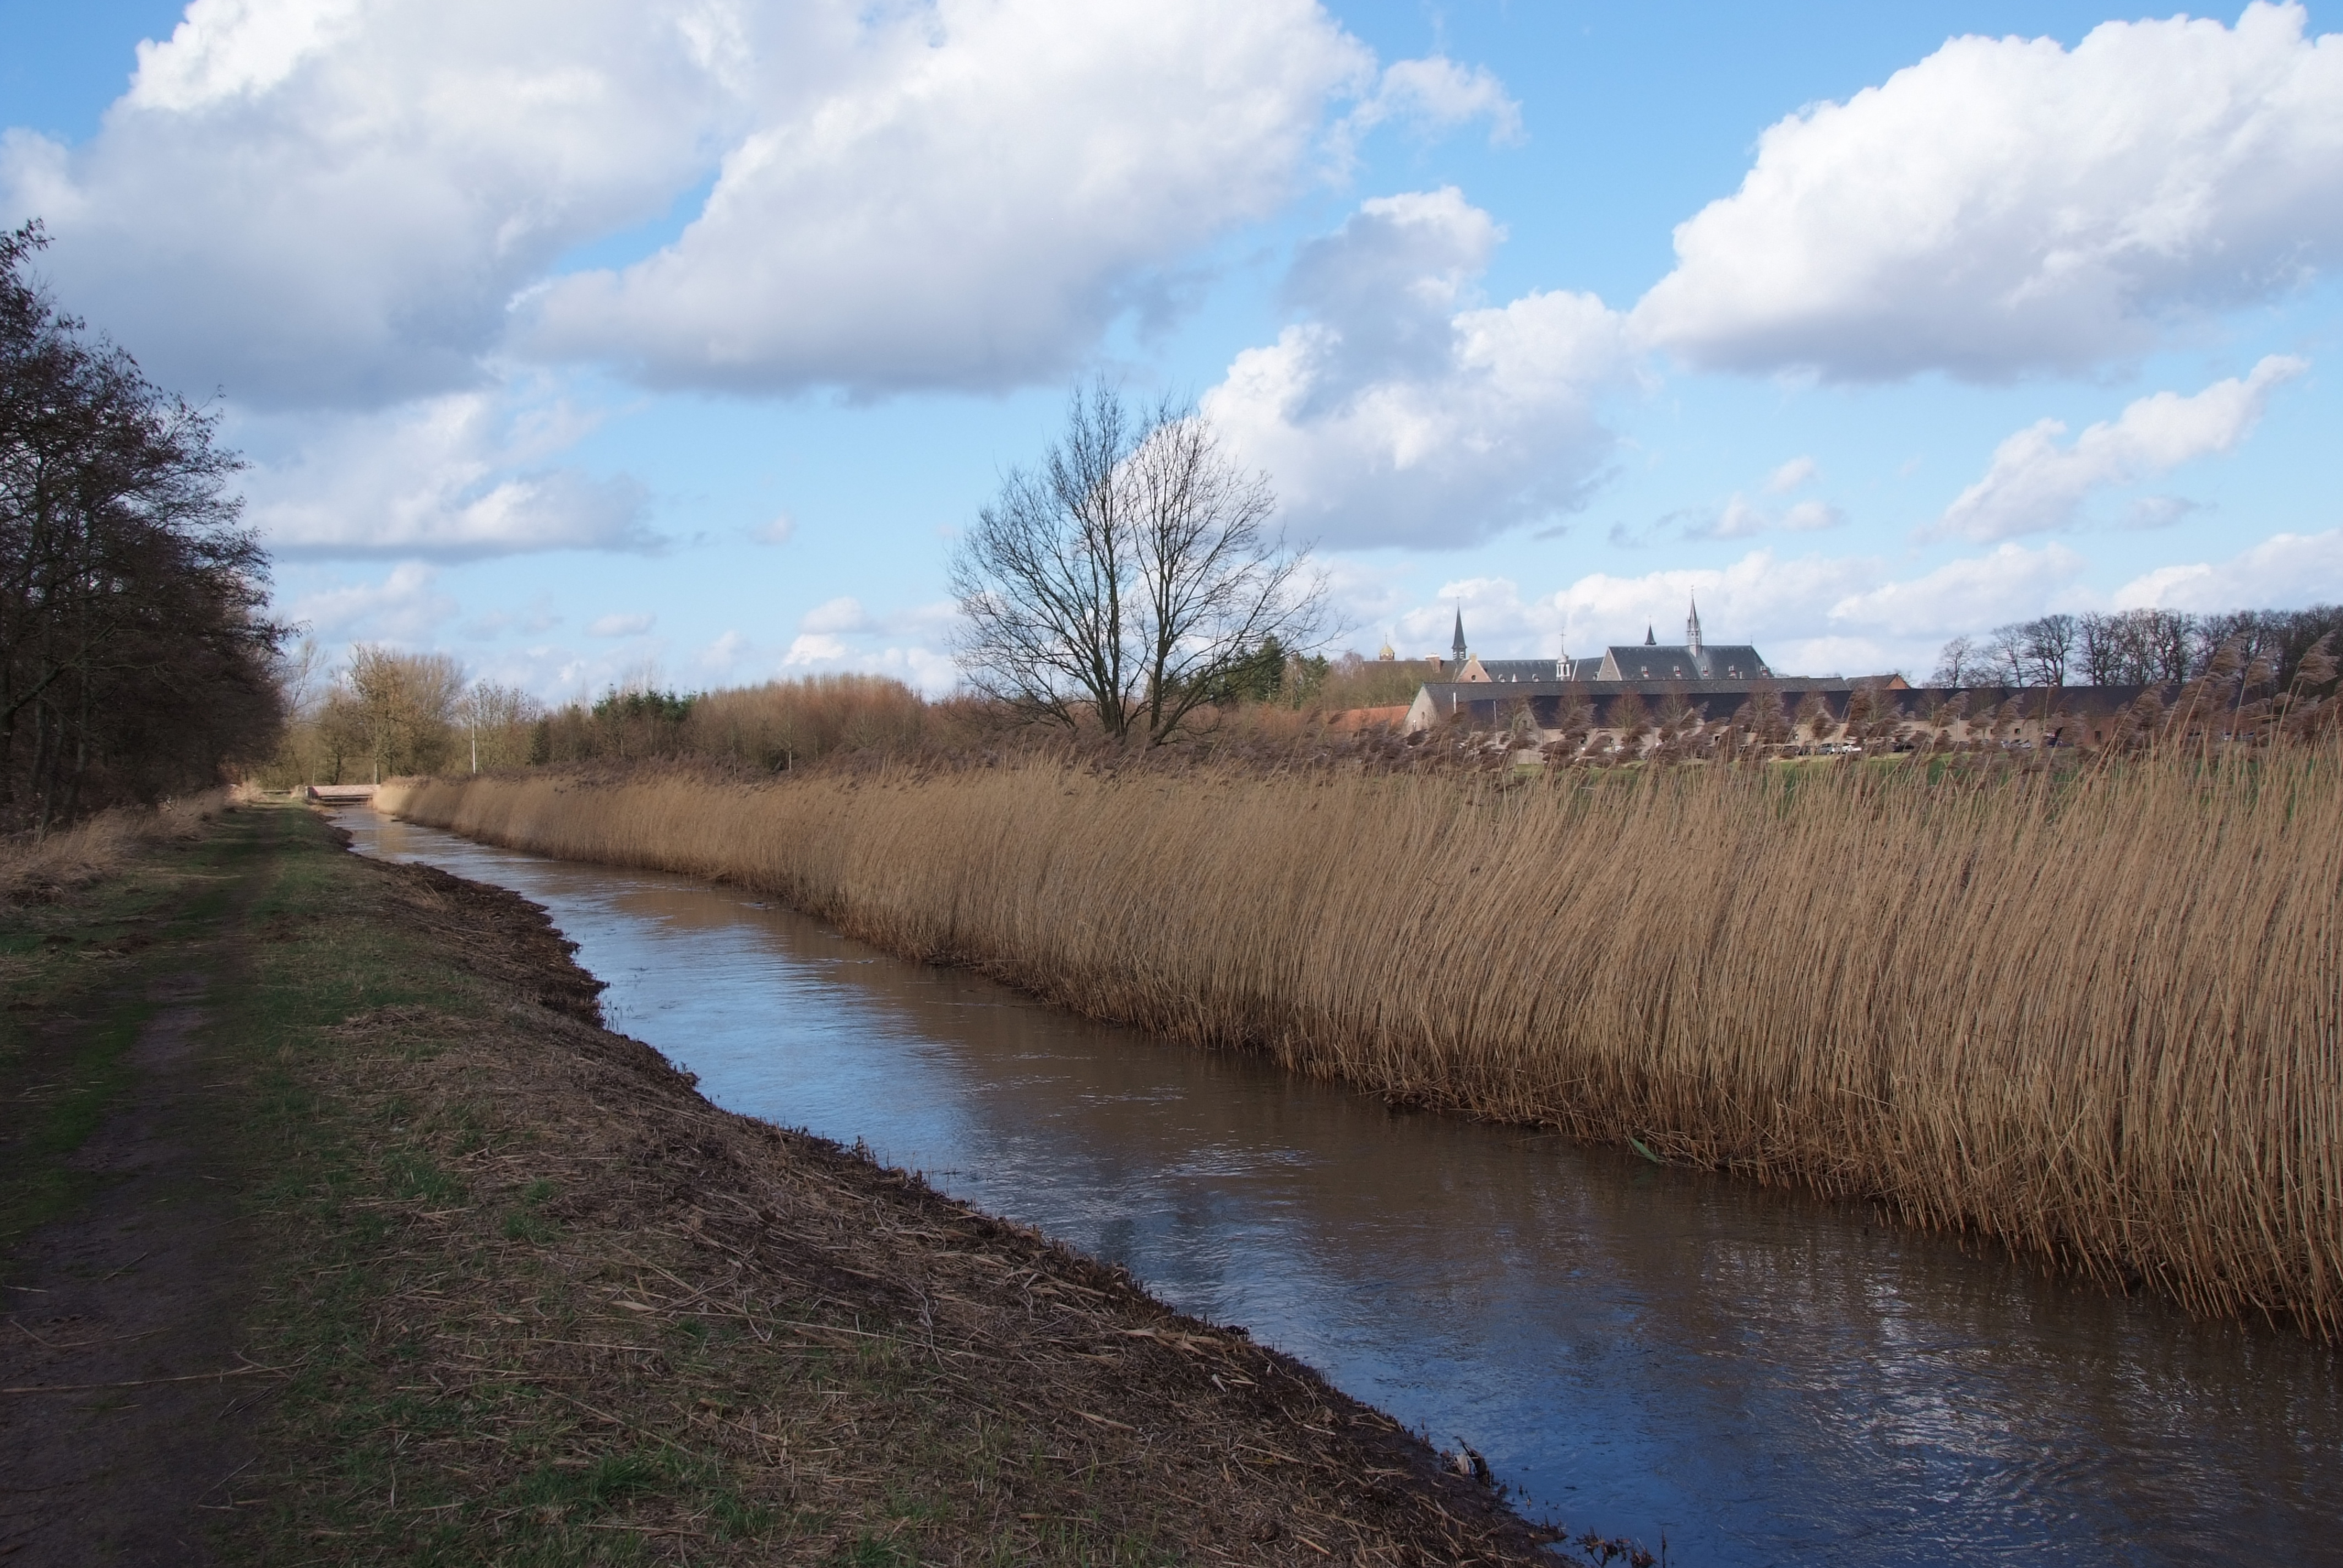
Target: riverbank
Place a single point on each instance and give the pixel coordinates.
(336, 1228)
(2088, 1015)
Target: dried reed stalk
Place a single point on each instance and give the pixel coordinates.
(2095, 1016)
(35, 869)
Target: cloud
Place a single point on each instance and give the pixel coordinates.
(406, 607)
(964, 194)
(723, 655)
(780, 531)
(1740, 517)
(815, 648)
(1793, 474)
(916, 665)
(1737, 520)
(2007, 204)
(342, 201)
(1851, 615)
(334, 203)
(1964, 594)
(1435, 94)
(842, 635)
(620, 625)
(1809, 615)
(457, 476)
(2283, 570)
(835, 616)
(1398, 413)
(2036, 486)
(540, 616)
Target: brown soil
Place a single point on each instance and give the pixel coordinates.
(677, 1215)
(124, 1400)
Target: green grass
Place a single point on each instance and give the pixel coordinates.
(434, 1211)
(75, 977)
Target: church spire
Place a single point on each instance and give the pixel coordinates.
(1649, 639)
(1691, 626)
(1460, 635)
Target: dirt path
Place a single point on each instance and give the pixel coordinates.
(114, 1437)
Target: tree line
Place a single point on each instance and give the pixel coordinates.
(137, 660)
(384, 712)
(2135, 646)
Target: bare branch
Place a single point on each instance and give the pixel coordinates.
(1130, 575)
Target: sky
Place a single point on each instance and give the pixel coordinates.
(613, 340)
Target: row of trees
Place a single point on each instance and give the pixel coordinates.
(137, 660)
(2134, 647)
(385, 712)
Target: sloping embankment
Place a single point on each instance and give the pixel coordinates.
(417, 1264)
(2092, 1016)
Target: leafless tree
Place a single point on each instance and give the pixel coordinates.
(1131, 576)
(496, 722)
(1958, 665)
(396, 711)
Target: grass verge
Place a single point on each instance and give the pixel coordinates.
(532, 1300)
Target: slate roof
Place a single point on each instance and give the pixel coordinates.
(1679, 662)
(1719, 700)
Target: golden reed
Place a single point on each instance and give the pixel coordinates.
(2096, 1017)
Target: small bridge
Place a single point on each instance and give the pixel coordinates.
(339, 794)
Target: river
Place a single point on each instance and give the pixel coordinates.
(1758, 1376)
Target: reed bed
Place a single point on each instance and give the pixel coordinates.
(35, 868)
(2093, 1016)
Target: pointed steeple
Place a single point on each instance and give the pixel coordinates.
(1692, 628)
(1460, 634)
(1649, 641)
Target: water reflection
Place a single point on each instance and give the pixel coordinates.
(1761, 1377)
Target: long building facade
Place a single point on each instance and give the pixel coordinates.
(1696, 683)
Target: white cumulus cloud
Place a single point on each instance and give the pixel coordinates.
(311, 203)
(407, 606)
(837, 615)
(620, 625)
(1792, 475)
(2037, 485)
(1435, 92)
(466, 475)
(1975, 591)
(2007, 204)
(964, 193)
(2283, 570)
(352, 201)
(1401, 413)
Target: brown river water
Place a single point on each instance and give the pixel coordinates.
(1758, 1377)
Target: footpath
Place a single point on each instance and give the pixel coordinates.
(335, 1228)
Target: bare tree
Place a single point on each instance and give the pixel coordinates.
(396, 709)
(1959, 664)
(2049, 644)
(1131, 576)
(497, 722)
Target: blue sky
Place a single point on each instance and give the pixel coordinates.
(618, 336)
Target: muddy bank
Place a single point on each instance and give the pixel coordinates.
(1033, 1389)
